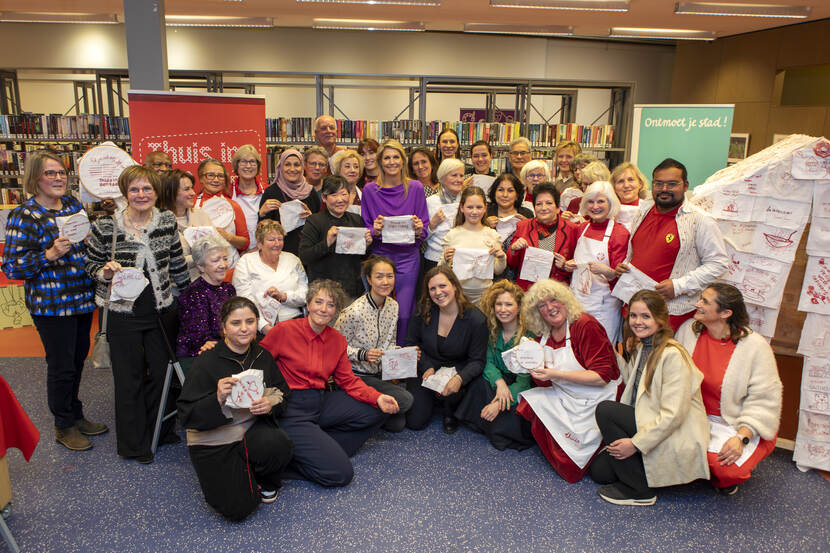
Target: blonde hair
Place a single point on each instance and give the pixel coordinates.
(34, 170)
(530, 166)
(622, 168)
(267, 226)
(488, 306)
(575, 148)
(600, 188)
(336, 161)
(596, 170)
(395, 145)
(543, 290)
(246, 149)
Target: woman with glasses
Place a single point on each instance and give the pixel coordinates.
(214, 180)
(246, 186)
(519, 153)
(533, 173)
(139, 328)
(289, 184)
(316, 166)
(59, 294)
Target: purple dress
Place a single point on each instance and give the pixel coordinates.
(407, 257)
(199, 306)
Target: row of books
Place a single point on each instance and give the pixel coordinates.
(11, 196)
(290, 130)
(13, 161)
(33, 126)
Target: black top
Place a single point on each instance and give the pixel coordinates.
(320, 259)
(493, 210)
(198, 404)
(464, 348)
(274, 192)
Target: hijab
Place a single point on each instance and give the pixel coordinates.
(295, 190)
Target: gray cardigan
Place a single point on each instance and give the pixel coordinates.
(158, 252)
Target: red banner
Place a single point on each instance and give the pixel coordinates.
(191, 127)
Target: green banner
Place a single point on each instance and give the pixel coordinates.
(696, 135)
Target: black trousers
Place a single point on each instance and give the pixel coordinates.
(616, 420)
(507, 430)
(139, 362)
(327, 428)
(66, 342)
(396, 422)
(427, 401)
(229, 474)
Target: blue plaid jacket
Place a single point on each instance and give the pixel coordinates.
(53, 288)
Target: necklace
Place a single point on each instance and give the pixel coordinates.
(247, 354)
(129, 220)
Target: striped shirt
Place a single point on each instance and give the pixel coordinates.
(52, 288)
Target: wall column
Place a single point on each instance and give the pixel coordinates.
(146, 44)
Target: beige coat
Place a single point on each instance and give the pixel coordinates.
(672, 429)
(751, 390)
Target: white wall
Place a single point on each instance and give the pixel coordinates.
(102, 47)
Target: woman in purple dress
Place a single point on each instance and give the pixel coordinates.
(394, 194)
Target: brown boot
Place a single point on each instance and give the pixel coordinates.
(71, 438)
(88, 428)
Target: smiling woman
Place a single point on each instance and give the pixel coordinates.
(318, 239)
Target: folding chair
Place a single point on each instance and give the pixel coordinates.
(7, 536)
(172, 365)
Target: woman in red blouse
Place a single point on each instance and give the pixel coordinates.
(548, 231)
(579, 372)
(326, 425)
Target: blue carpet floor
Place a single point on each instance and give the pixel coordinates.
(414, 491)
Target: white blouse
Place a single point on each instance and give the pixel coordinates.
(252, 278)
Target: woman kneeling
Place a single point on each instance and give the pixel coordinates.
(238, 454)
(657, 434)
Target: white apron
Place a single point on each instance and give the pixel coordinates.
(250, 207)
(592, 290)
(566, 408)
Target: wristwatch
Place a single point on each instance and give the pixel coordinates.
(744, 439)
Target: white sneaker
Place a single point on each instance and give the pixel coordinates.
(267, 496)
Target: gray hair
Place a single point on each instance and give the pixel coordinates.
(534, 164)
(596, 170)
(600, 188)
(315, 150)
(206, 244)
(331, 287)
(448, 166)
(520, 140)
(541, 291)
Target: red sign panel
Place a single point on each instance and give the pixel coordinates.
(191, 127)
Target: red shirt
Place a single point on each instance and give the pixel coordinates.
(574, 204)
(712, 356)
(307, 359)
(530, 230)
(655, 244)
(591, 348)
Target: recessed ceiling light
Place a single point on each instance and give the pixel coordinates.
(745, 10)
(545, 30)
(587, 5)
(368, 25)
(379, 2)
(57, 17)
(216, 21)
(665, 34)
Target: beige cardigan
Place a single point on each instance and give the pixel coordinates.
(751, 391)
(672, 429)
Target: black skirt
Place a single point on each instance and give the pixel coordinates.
(508, 429)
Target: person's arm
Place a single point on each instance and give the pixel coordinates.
(491, 372)
(522, 383)
(495, 240)
(422, 213)
(476, 348)
(192, 329)
(296, 295)
(675, 399)
(98, 247)
(713, 258)
(243, 283)
(178, 266)
(515, 255)
(760, 408)
(617, 249)
(240, 239)
(198, 406)
(277, 389)
(346, 324)
(271, 193)
(344, 377)
(313, 243)
(23, 255)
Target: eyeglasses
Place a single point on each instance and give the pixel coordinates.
(536, 176)
(317, 164)
(247, 162)
(54, 174)
(211, 176)
(520, 153)
(666, 183)
(160, 164)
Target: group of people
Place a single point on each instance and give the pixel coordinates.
(635, 394)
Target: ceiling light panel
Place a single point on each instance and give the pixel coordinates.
(543, 30)
(376, 2)
(217, 21)
(664, 34)
(584, 5)
(57, 17)
(368, 25)
(745, 10)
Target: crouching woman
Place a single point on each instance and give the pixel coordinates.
(238, 453)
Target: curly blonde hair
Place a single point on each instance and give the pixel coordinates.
(488, 306)
(543, 290)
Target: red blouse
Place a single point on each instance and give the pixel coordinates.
(712, 356)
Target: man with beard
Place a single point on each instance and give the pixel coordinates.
(675, 243)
